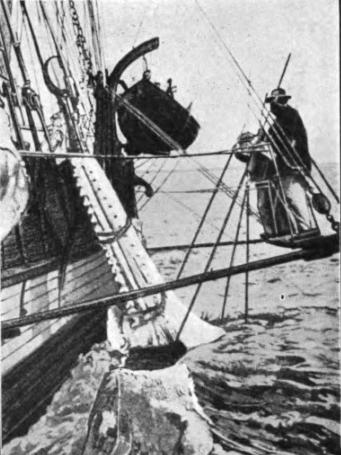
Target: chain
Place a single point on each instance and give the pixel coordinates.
(321, 203)
(80, 39)
(334, 224)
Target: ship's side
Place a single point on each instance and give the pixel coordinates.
(76, 238)
(48, 261)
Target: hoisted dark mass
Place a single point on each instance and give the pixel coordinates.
(162, 110)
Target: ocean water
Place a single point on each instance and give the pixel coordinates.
(271, 384)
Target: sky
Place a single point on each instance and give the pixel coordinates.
(194, 35)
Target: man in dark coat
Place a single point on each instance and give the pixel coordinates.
(290, 144)
(288, 134)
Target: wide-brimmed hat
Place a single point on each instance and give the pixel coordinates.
(277, 93)
(245, 137)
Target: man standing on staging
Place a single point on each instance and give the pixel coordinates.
(290, 144)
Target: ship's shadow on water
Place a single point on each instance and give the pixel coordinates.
(271, 384)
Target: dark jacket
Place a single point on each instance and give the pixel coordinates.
(289, 138)
(259, 166)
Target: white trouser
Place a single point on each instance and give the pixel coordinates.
(295, 190)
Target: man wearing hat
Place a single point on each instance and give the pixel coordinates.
(261, 170)
(290, 144)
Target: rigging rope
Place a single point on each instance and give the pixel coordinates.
(159, 169)
(23, 70)
(142, 196)
(11, 93)
(139, 27)
(235, 243)
(102, 35)
(174, 145)
(25, 28)
(141, 165)
(95, 36)
(208, 264)
(192, 211)
(163, 182)
(203, 218)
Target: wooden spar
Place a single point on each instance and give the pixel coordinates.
(247, 213)
(328, 246)
(233, 252)
(203, 218)
(128, 59)
(128, 157)
(157, 249)
(284, 70)
(267, 115)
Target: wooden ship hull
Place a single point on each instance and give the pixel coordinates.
(39, 273)
(36, 362)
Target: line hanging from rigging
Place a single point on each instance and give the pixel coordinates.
(163, 182)
(212, 254)
(235, 243)
(203, 218)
